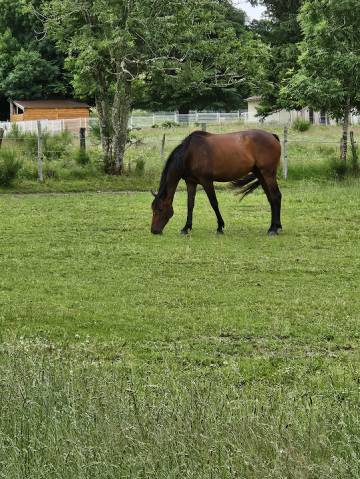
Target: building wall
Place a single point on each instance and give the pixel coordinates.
(51, 114)
(284, 116)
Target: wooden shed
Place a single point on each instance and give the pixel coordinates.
(25, 110)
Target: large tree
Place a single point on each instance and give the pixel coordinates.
(280, 29)
(116, 47)
(30, 66)
(221, 63)
(329, 74)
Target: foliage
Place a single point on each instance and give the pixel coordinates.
(300, 124)
(119, 51)
(329, 73)
(220, 63)
(280, 30)
(170, 124)
(139, 166)
(82, 157)
(30, 65)
(9, 167)
(57, 146)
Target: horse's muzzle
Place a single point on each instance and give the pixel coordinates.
(156, 232)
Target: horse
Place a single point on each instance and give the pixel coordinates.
(248, 159)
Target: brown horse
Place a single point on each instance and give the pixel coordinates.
(248, 159)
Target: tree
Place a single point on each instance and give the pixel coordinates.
(114, 48)
(30, 67)
(219, 68)
(282, 32)
(329, 74)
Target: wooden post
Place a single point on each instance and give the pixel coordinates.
(1, 136)
(285, 152)
(203, 126)
(39, 152)
(353, 150)
(82, 139)
(162, 151)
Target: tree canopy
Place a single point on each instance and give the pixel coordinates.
(171, 53)
(221, 62)
(281, 31)
(30, 65)
(329, 63)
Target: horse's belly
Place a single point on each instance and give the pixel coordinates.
(232, 168)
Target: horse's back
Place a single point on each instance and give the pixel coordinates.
(224, 157)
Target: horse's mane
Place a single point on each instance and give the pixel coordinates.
(176, 160)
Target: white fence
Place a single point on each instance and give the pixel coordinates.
(135, 121)
(141, 121)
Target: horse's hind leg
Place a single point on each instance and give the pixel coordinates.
(191, 190)
(210, 191)
(272, 191)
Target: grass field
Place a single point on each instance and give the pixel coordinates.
(310, 155)
(131, 356)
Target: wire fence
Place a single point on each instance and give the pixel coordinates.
(41, 145)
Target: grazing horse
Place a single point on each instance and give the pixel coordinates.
(248, 159)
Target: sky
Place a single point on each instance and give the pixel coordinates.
(252, 12)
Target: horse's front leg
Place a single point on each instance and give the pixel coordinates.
(191, 190)
(210, 191)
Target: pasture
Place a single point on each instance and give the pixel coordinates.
(311, 156)
(128, 355)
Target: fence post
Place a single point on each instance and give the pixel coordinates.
(285, 153)
(353, 149)
(203, 126)
(1, 136)
(39, 152)
(162, 152)
(82, 139)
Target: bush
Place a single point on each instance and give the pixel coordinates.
(56, 146)
(301, 125)
(170, 124)
(140, 167)
(81, 157)
(95, 133)
(9, 167)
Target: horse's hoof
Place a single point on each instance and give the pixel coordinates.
(219, 232)
(184, 232)
(272, 233)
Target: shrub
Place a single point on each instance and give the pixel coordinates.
(81, 157)
(338, 169)
(139, 167)
(95, 133)
(301, 125)
(170, 124)
(9, 167)
(56, 146)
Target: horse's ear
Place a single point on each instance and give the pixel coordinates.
(153, 193)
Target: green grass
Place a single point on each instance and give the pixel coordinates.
(128, 355)
(311, 156)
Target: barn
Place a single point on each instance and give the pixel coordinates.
(27, 110)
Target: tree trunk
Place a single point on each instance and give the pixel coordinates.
(344, 143)
(184, 110)
(104, 108)
(120, 119)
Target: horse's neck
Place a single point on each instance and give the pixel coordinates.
(172, 182)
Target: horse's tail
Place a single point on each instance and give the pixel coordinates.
(247, 185)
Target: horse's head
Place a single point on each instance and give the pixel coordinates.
(162, 212)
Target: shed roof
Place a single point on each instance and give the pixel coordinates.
(45, 104)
